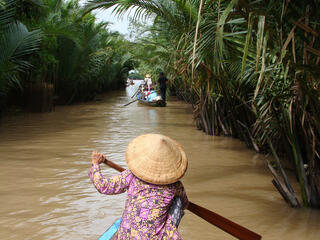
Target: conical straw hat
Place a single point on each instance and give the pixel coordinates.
(148, 75)
(156, 159)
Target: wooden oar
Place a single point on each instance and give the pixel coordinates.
(130, 102)
(136, 91)
(224, 224)
(114, 165)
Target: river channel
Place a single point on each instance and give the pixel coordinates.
(45, 192)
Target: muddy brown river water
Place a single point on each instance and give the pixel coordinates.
(45, 192)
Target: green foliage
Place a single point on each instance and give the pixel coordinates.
(67, 50)
(16, 44)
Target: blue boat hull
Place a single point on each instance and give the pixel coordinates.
(111, 230)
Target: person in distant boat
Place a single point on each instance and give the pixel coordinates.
(163, 81)
(156, 198)
(148, 81)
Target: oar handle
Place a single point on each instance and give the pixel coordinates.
(224, 224)
(136, 91)
(113, 165)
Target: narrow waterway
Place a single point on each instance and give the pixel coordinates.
(45, 192)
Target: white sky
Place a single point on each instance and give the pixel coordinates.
(120, 24)
(116, 24)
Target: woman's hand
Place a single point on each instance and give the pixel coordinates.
(97, 158)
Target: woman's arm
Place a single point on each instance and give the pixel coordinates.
(113, 185)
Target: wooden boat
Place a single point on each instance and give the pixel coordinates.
(151, 100)
(158, 103)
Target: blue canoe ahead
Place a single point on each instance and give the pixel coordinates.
(111, 230)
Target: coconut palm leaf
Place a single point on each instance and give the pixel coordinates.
(16, 43)
(7, 12)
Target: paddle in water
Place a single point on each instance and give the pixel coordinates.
(130, 103)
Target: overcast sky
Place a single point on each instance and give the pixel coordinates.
(116, 24)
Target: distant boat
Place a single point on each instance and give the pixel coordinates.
(150, 98)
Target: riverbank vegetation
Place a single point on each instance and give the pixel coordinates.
(52, 53)
(250, 70)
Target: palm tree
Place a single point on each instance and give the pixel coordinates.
(77, 57)
(16, 43)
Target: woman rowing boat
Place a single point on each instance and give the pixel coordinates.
(155, 197)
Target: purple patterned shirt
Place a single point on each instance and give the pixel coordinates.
(146, 214)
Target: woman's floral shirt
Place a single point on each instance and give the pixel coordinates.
(146, 210)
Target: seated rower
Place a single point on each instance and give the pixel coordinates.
(155, 194)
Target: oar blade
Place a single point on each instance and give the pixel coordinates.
(224, 224)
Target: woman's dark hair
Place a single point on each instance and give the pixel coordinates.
(161, 74)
